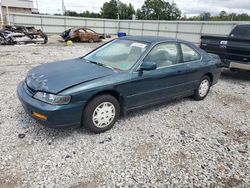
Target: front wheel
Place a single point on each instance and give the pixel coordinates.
(204, 86)
(101, 113)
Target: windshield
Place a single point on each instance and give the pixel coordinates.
(118, 54)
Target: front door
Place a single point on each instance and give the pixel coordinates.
(167, 81)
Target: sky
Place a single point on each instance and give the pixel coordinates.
(189, 7)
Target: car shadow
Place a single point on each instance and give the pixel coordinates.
(155, 107)
(237, 74)
(40, 132)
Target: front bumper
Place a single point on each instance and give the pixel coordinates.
(58, 116)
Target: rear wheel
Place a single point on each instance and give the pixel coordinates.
(77, 39)
(91, 40)
(101, 113)
(2, 41)
(204, 86)
(234, 69)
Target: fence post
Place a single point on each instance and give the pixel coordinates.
(13, 19)
(142, 27)
(118, 25)
(201, 31)
(129, 27)
(177, 30)
(65, 23)
(104, 27)
(158, 28)
(41, 20)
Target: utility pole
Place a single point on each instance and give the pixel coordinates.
(172, 9)
(118, 14)
(232, 17)
(63, 8)
(37, 5)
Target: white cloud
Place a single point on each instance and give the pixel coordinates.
(190, 7)
(55, 6)
(195, 7)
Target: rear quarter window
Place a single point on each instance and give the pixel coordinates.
(189, 54)
(241, 31)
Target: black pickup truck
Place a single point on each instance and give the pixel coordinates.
(234, 50)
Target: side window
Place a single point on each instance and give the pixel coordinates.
(81, 31)
(90, 31)
(164, 54)
(189, 54)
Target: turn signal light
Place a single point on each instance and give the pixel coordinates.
(40, 116)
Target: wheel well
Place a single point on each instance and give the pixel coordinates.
(115, 94)
(210, 75)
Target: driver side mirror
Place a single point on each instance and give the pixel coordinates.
(147, 66)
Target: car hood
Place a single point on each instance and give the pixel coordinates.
(57, 76)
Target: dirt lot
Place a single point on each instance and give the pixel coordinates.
(183, 143)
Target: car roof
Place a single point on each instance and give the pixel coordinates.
(151, 39)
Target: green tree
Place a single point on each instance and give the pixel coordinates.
(71, 13)
(90, 14)
(231, 16)
(110, 9)
(175, 11)
(222, 14)
(131, 11)
(126, 11)
(139, 14)
(243, 17)
(83, 14)
(158, 10)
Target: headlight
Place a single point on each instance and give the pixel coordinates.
(51, 98)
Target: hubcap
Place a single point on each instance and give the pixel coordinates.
(204, 87)
(103, 115)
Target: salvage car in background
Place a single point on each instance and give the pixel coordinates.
(10, 35)
(82, 34)
(120, 76)
(234, 50)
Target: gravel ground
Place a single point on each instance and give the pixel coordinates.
(183, 143)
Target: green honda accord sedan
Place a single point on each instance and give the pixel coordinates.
(122, 75)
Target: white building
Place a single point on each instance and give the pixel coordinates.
(20, 6)
(15, 6)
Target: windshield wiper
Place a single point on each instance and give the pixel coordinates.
(100, 64)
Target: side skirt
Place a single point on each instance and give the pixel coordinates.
(158, 101)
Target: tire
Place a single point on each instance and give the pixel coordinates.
(77, 39)
(233, 69)
(91, 41)
(2, 41)
(44, 36)
(45, 39)
(203, 89)
(107, 118)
